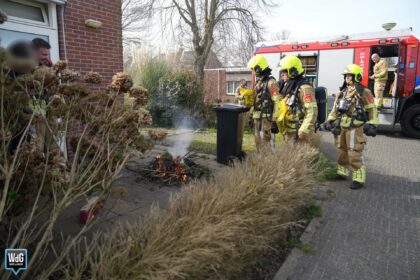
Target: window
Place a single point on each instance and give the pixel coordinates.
(231, 86)
(25, 11)
(8, 36)
(28, 19)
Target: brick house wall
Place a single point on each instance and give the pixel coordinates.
(89, 49)
(215, 83)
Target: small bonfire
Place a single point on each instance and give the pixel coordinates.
(172, 170)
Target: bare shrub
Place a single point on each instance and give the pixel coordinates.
(37, 180)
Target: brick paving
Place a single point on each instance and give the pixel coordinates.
(372, 233)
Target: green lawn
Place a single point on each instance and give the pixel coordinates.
(205, 142)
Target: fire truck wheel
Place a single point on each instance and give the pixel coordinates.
(410, 121)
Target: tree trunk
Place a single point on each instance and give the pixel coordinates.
(200, 62)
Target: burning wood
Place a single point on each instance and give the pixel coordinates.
(174, 169)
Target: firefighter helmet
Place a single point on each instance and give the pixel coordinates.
(355, 70)
(292, 65)
(258, 63)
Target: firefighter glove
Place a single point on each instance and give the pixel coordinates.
(369, 130)
(274, 128)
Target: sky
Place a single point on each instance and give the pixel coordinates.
(322, 18)
(319, 18)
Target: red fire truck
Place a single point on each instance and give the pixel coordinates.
(324, 61)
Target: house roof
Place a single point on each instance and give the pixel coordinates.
(187, 58)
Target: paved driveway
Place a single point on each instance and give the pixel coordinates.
(372, 233)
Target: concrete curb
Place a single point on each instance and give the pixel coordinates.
(289, 265)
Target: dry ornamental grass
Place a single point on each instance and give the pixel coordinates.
(212, 229)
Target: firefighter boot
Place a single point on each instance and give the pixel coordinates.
(359, 178)
(342, 172)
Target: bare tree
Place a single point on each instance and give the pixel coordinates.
(135, 20)
(203, 22)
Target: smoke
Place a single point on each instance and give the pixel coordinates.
(183, 137)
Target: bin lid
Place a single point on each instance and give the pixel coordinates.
(231, 107)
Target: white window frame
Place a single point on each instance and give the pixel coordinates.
(34, 27)
(29, 21)
(227, 88)
(235, 86)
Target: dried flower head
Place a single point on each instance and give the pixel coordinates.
(69, 75)
(112, 89)
(58, 111)
(60, 65)
(73, 90)
(20, 99)
(45, 76)
(58, 105)
(157, 135)
(144, 117)
(3, 17)
(93, 78)
(123, 81)
(140, 94)
(97, 97)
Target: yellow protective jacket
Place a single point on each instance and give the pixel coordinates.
(380, 70)
(353, 93)
(245, 96)
(272, 88)
(305, 115)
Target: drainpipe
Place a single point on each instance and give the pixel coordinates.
(63, 30)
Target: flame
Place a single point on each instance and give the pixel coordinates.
(169, 169)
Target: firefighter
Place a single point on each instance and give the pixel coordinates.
(353, 114)
(298, 108)
(265, 102)
(238, 92)
(245, 97)
(380, 76)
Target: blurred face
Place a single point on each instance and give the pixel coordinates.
(284, 76)
(375, 58)
(44, 56)
(349, 79)
(243, 83)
